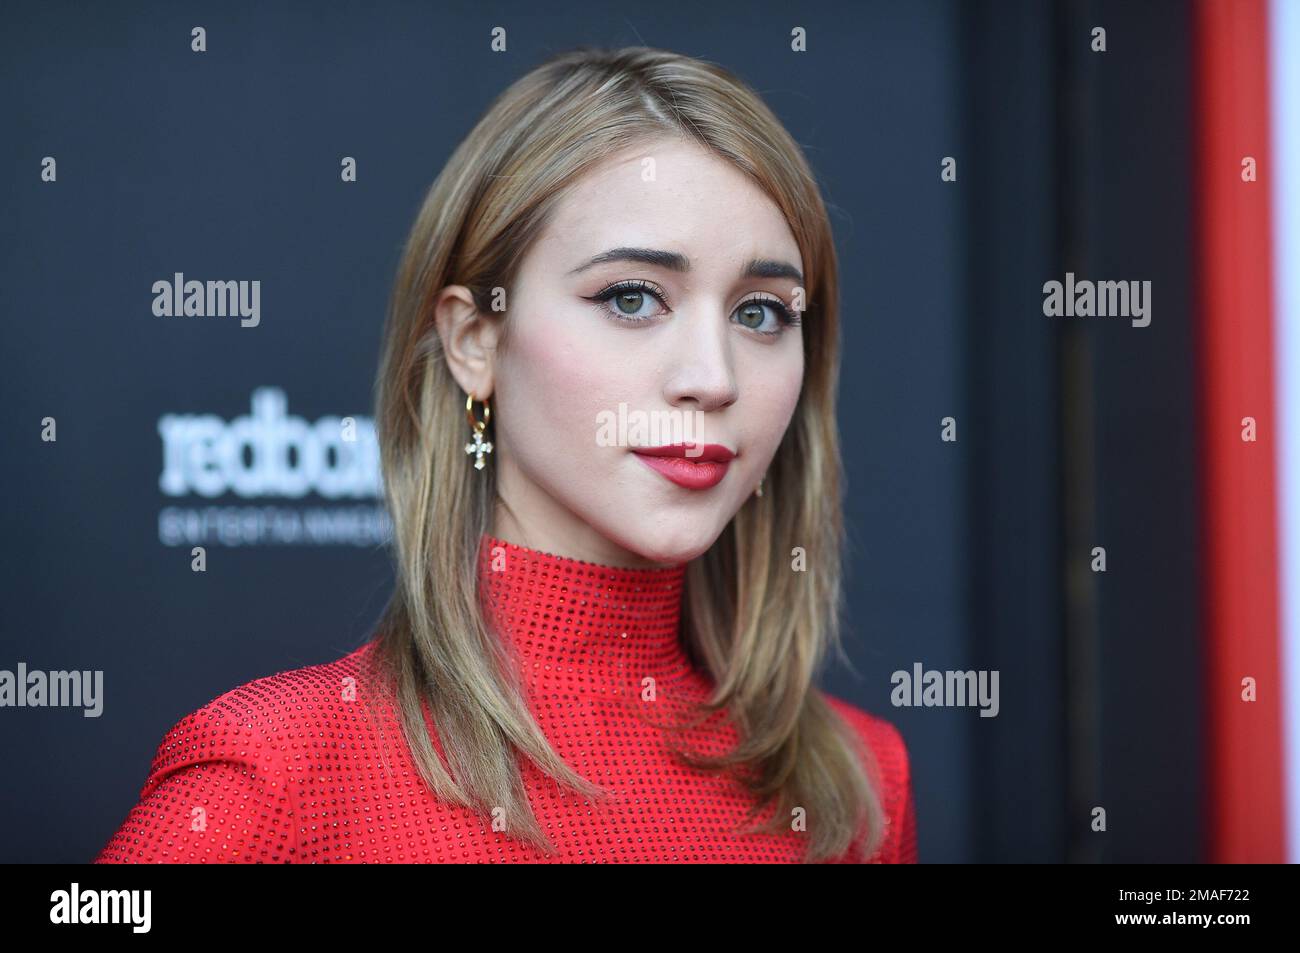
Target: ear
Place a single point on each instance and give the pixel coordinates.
(469, 339)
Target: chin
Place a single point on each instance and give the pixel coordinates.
(679, 541)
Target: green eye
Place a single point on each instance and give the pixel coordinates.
(629, 302)
(751, 315)
(626, 301)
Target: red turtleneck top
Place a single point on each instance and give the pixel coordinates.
(289, 768)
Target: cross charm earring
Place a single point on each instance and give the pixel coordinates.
(477, 449)
(479, 446)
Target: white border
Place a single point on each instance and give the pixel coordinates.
(1281, 174)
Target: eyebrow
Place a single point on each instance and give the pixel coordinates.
(674, 261)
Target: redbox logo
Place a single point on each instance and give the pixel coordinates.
(269, 453)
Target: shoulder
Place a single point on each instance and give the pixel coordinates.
(884, 741)
(889, 765)
(226, 782)
(298, 692)
(257, 719)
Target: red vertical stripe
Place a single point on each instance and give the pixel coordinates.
(1239, 543)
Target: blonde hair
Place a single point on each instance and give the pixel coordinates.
(759, 629)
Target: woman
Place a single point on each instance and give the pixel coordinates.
(606, 414)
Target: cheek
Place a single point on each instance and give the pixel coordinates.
(774, 392)
(552, 385)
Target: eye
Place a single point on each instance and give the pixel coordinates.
(627, 301)
(753, 314)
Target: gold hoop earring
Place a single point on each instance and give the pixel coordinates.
(478, 446)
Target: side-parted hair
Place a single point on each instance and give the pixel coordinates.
(758, 628)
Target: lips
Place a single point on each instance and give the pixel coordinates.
(693, 466)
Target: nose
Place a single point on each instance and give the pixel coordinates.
(703, 375)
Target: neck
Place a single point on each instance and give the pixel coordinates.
(576, 626)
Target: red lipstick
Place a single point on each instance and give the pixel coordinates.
(693, 466)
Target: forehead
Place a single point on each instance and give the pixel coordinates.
(673, 195)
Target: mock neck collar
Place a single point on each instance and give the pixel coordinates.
(582, 627)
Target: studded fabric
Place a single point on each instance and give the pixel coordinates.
(290, 768)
